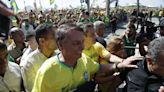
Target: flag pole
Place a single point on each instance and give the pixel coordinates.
(35, 5)
(40, 4)
(24, 5)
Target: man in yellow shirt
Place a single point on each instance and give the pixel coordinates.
(45, 38)
(94, 49)
(70, 69)
(161, 14)
(97, 52)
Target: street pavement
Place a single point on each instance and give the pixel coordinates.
(121, 28)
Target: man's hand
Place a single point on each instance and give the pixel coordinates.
(128, 63)
(161, 89)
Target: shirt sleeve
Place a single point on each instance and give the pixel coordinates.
(28, 74)
(103, 53)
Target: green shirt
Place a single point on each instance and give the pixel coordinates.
(128, 42)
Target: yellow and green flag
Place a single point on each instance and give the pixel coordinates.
(14, 6)
(51, 2)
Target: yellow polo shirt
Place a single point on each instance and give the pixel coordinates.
(95, 51)
(55, 76)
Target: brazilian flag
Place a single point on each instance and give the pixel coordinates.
(14, 6)
(51, 2)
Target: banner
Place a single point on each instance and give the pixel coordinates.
(14, 6)
(51, 2)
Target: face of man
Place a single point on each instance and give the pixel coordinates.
(73, 44)
(50, 41)
(90, 37)
(32, 19)
(3, 61)
(18, 36)
(101, 30)
(131, 31)
(162, 31)
(158, 66)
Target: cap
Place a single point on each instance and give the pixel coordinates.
(14, 29)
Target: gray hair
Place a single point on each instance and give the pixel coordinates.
(62, 31)
(97, 24)
(155, 47)
(86, 27)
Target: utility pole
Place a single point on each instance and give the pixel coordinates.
(138, 7)
(25, 5)
(138, 10)
(40, 4)
(107, 7)
(35, 5)
(81, 1)
(88, 5)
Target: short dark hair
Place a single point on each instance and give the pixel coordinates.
(132, 26)
(29, 36)
(42, 30)
(65, 28)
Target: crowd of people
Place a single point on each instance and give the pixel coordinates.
(65, 51)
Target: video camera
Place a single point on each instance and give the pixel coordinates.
(148, 30)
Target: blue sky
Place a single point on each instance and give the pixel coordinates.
(75, 3)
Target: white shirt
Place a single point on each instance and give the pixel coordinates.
(12, 79)
(24, 56)
(30, 67)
